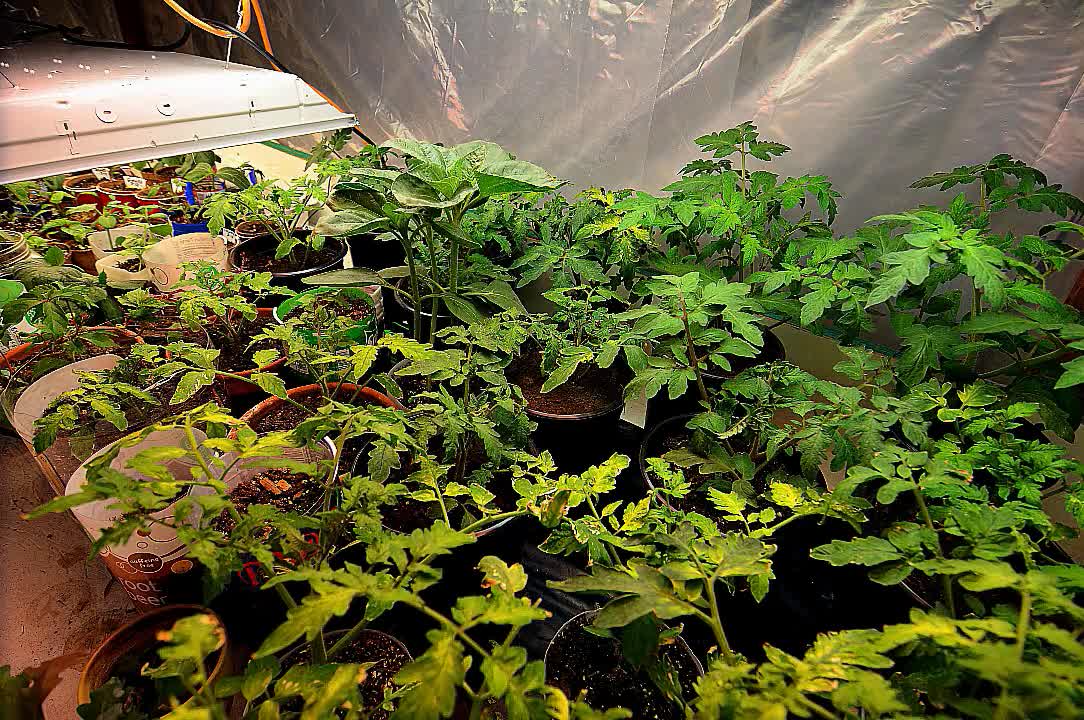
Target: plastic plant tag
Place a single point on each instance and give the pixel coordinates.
(101, 173)
(150, 566)
(178, 185)
(163, 260)
(135, 182)
(635, 410)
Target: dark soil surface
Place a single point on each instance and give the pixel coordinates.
(589, 390)
(286, 416)
(144, 695)
(263, 260)
(676, 436)
(408, 515)
(45, 359)
(579, 660)
(131, 265)
(165, 329)
(387, 656)
(237, 356)
(20, 224)
(285, 490)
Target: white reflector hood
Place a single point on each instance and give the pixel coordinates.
(66, 108)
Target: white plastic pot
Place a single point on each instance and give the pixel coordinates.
(116, 277)
(163, 260)
(106, 242)
(151, 567)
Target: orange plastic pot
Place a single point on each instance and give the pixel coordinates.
(340, 391)
(21, 352)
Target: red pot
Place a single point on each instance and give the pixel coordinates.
(109, 190)
(164, 200)
(87, 193)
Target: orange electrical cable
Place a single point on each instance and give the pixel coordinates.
(264, 37)
(246, 17)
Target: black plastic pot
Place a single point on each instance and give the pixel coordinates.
(265, 244)
(368, 252)
(661, 406)
(404, 313)
(806, 596)
(574, 680)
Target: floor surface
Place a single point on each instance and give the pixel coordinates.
(54, 600)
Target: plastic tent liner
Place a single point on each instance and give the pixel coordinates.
(872, 93)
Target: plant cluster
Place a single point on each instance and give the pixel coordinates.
(411, 481)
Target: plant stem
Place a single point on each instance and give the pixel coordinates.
(1023, 365)
(690, 348)
(716, 623)
(432, 271)
(346, 639)
(408, 250)
(1023, 624)
(490, 519)
(946, 581)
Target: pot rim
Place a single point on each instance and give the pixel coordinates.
(231, 258)
(397, 297)
(478, 534)
(595, 611)
(150, 618)
(261, 408)
(775, 341)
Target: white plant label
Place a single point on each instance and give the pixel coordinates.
(101, 173)
(133, 182)
(178, 185)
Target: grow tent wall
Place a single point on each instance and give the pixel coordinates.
(873, 93)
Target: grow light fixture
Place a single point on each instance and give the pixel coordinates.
(68, 108)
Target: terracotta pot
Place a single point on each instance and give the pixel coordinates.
(235, 387)
(138, 637)
(109, 190)
(340, 390)
(84, 187)
(83, 258)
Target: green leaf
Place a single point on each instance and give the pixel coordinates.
(348, 223)
(462, 308)
(860, 551)
(433, 678)
(513, 176)
(995, 322)
(270, 383)
(307, 619)
(347, 277)
(54, 256)
(258, 675)
(234, 176)
(1073, 374)
(190, 384)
